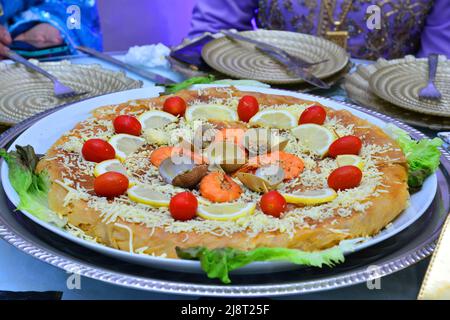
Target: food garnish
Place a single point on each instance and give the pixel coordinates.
(248, 106)
(145, 194)
(225, 211)
(210, 112)
(311, 197)
(183, 206)
(219, 187)
(31, 187)
(111, 184)
(97, 150)
(184, 174)
(109, 165)
(280, 119)
(263, 140)
(266, 178)
(127, 124)
(291, 164)
(345, 145)
(175, 106)
(125, 144)
(273, 203)
(350, 160)
(156, 119)
(345, 177)
(229, 156)
(314, 137)
(422, 155)
(313, 114)
(217, 263)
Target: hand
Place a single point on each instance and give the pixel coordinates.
(5, 41)
(42, 35)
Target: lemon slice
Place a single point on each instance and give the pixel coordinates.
(155, 119)
(225, 211)
(311, 197)
(280, 119)
(350, 160)
(125, 144)
(146, 194)
(210, 112)
(314, 137)
(108, 166)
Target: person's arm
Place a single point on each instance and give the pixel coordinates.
(214, 15)
(47, 23)
(435, 37)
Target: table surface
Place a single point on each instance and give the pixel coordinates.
(21, 272)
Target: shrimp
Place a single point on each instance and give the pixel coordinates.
(218, 187)
(291, 164)
(162, 153)
(233, 135)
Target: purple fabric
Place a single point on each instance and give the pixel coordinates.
(407, 27)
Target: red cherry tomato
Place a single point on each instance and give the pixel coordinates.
(97, 150)
(183, 206)
(110, 184)
(273, 203)
(248, 106)
(175, 105)
(127, 124)
(345, 177)
(314, 114)
(345, 145)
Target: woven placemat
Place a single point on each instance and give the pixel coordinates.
(24, 93)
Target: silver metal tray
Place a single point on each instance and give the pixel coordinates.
(396, 253)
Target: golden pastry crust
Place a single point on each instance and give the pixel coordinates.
(326, 233)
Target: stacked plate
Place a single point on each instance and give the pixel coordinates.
(242, 60)
(392, 87)
(24, 93)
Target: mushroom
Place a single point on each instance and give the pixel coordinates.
(265, 178)
(263, 140)
(229, 156)
(185, 174)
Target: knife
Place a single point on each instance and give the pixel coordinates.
(295, 67)
(262, 45)
(158, 79)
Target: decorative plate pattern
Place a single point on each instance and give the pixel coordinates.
(396, 256)
(400, 84)
(241, 60)
(24, 93)
(358, 90)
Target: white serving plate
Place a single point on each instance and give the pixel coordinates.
(46, 131)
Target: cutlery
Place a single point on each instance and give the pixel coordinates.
(262, 46)
(293, 66)
(296, 70)
(430, 91)
(143, 73)
(60, 90)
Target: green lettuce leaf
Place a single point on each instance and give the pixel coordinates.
(175, 87)
(422, 156)
(217, 263)
(32, 188)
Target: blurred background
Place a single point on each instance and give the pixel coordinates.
(129, 21)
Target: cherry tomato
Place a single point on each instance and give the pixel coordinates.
(248, 106)
(345, 177)
(183, 206)
(345, 145)
(273, 203)
(110, 184)
(97, 150)
(127, 124)
(314, 114)
(175, 105)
